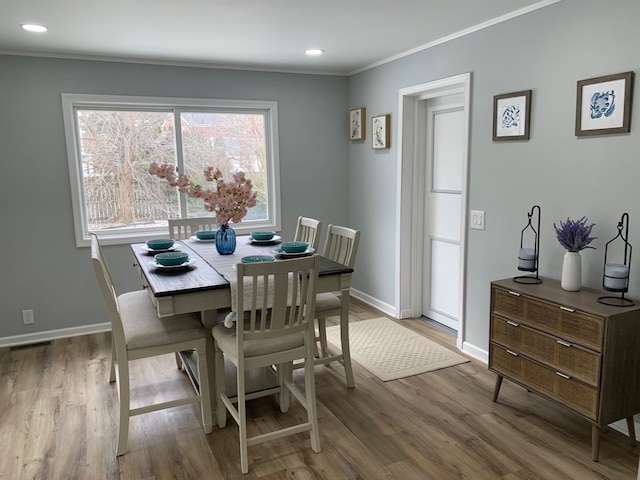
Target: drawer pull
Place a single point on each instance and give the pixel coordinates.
(562, 342)
(513, 324)
(135, 265)
(516, 294)
(568, 309)
(511, 352)
(563, 375)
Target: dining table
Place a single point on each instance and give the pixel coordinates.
(204, 287)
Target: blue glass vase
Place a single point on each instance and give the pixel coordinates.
(225, 240)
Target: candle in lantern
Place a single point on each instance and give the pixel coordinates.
(615, 276)
(527, 259)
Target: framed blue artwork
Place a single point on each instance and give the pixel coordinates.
(603, 105)
(511, 114)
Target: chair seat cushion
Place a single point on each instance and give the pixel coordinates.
(226, 339)
(143, 328)
(326, 302)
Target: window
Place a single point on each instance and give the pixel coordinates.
(112, 140)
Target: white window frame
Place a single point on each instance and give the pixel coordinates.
(70, 102)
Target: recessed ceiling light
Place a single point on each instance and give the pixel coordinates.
(33, 27)
(314, 51)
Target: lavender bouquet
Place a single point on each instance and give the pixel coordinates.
(574, 235)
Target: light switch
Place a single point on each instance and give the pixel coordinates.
(477, 219)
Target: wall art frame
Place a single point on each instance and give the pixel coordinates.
(603, 105)
(357, 123)
(511, 116)
(381, 131)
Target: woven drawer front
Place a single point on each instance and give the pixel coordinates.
(568, 391)
(567, 358)
(508, 304)
(575, 326)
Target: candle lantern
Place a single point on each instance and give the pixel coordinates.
(617, 265)
(529, 252)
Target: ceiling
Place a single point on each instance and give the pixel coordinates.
(253, 34)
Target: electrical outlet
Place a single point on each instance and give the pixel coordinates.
(27, 317)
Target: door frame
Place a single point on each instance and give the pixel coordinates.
(409, 231)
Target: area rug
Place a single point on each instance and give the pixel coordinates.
(391, 351)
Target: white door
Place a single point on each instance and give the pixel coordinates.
(444, 140)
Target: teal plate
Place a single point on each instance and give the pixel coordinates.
(257, 259)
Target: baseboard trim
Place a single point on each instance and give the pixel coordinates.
(475, 352)
(374, 302)
(48, 335)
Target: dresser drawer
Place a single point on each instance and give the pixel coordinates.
(573, 325)
(558, 354)
(570, 392)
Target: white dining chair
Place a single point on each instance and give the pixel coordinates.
(308, 230)
(181, 228)
(341, 245)
(278, 300)
(137, 332)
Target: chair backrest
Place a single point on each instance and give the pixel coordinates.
(341, 245)
(308, 230)
(107, 289)
(277, 299)
(181, 228)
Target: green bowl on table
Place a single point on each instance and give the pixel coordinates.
(262, 235)
(257, 259)
(206, 234)
(160, 243)
(171, 259)
(294, 247)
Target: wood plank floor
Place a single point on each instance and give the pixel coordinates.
(58, 420)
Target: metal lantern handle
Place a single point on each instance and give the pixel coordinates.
(608, 282)
(536, 249)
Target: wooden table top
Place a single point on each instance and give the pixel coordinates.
(202, 276)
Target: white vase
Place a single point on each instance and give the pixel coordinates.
(571, 272)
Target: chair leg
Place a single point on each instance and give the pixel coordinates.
(179, 361)
(344, 339)
(205, 389)
(242, 422)
(285, 372)
(310, 394)
(322, 334)
(112, 373)
(221, 409)
(632, 430)
(124, 395)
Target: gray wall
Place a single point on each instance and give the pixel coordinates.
(42, 268)
(546, 51)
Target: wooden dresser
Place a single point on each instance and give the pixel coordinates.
(569, 348)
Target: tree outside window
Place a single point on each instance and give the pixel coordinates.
(114, 146)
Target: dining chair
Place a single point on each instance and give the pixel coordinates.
(181, 228)
(341, 245)
(308, 230)
(278, 300)
(137, 332)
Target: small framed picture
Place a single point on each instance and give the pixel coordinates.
(511, 114)
(357, 123)
(380, 131)
(603, 105)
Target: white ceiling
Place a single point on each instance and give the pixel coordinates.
(256, 34)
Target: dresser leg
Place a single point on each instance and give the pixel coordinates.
(496, 389)
(632, 430)
(595, 442)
